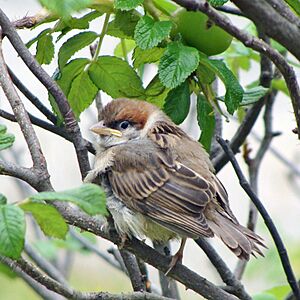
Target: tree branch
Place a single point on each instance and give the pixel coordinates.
(22, 117)
(223, 270)
(32, 98)
(69, 293)
(276, 26)
(134, 271)
(267, 219)
(256, 44)
(64, 106)
(60, 131)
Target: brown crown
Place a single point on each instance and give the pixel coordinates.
(136, 111)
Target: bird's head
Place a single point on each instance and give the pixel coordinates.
(126, 120)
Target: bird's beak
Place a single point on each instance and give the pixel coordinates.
(102, 130)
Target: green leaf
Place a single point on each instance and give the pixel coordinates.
(82, 93)
(149, 33)
(177, 63)
(251, 95)
(141, 57)
(6, 139)
(65, 79)
(156, 92)
(280, 85)
(124, 24)
(234, 91)
(127, 4)
(40, 35)
(205, 75)
(12, 229)
(49, 219)
(45, 50)
(74, 44)
(3, 199)
(115, 77)
(217, 3)
(295, 4)
(129, 46)
(65, 25)
(64, 8)
(206, 121)
(177, 103)
(89, 197)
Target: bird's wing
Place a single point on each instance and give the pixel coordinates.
(164, 189)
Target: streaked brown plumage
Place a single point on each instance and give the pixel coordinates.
(163, 182)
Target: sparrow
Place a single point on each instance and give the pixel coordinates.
(162, 183)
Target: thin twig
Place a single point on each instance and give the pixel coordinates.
(32, 98)
(60, 131)
(22, 117)
(45, 265)
(267, 219)
(95, 249)
(227, 276)
(168, 285)
(134, 271)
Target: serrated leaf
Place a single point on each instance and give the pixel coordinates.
(206, 121)
(45, 50)
(234, 91)
(156, 92)
(64, 8)
(127, 4)
(146, 56)
(65, 78)
(149, 33)
(116, 77)
(177, 103)
(6, 139)
(12, 229)
(48, 218)
(3, 199)
(217, 3)
(128, 47)
(89, 197)
(124, 24)
(82, 93)
(177, 63)
(74, 44)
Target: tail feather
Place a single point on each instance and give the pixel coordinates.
(239, 239)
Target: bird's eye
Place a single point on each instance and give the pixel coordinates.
(124, 124)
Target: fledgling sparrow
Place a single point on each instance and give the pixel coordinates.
(163, 183)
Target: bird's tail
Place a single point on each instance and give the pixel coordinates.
(239, 239)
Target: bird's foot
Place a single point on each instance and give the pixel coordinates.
(124, 238)
(177, 258)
